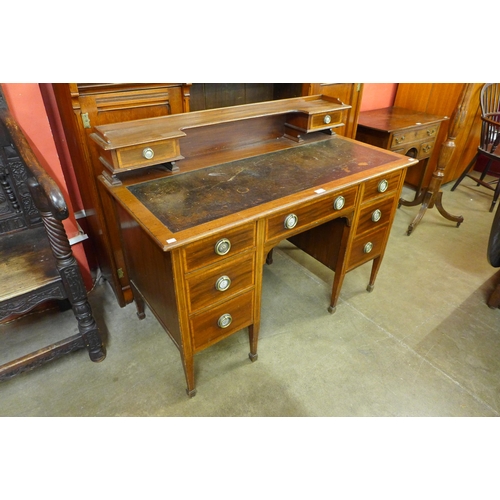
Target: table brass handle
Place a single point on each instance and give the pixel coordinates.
(339, 203)
(376, 215)
(400, 139)
(368, 247)
(431, 131)
(327, 119)
(382, 186)
(223, 283)
(291, 221)
(225, 320)
(148, 153)
(223, 246)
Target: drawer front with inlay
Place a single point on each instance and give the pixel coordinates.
(142, 156)
(219, 246)
(381, 185)
(367, 246)
(209, 286)
(222, 320)
(295, 220)
(375, 215)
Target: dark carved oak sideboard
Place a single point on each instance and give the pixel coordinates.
(203, 198)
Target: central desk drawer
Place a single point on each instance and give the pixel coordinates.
(218, 246)
(221, 321)
(296, 219)
(209, 286)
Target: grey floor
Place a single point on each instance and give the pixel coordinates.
(423, 343)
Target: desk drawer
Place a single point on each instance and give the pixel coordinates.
(381, 185)
(367, 246)
(143, 156)
(209, 286)
(375, 215)
(405, 137)
(204, 252)
(208, 327)
(294, 220)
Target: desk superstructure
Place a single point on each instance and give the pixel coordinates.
(204, 197)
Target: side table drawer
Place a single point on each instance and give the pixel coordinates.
(218, 283)
(294, 220)
(405, 137)
(221, 321)
(367, 246)
(228, 243)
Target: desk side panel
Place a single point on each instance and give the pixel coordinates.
(151, 272)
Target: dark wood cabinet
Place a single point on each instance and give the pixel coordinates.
(82, 107)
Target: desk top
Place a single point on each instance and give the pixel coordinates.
(395, 118)
(176, 209)
(190, 199)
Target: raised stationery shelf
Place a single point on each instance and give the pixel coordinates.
(140, 144)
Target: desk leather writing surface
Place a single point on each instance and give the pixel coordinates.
(186, 200)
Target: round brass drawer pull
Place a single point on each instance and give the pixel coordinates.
(223, 246)
(327, 119)
(223, 283)
(368, 247)
(339, 203)
(291, 221)
(382, 186)
(225, 320)
(148, 153)
(376, 215)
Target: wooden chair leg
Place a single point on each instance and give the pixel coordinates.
(465, 172)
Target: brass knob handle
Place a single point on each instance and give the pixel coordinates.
(368, 247)
(327, 119)
(431, 131)
(291, 221)
(376, 215)
(223, 246)
(339, 203)
(382, 186)
(148, 153)
(225, 320)
(223, 283)
(400, 139)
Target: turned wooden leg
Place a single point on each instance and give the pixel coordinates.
(269, 258)
(77, 297)
(139, 302)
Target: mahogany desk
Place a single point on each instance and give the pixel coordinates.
(196, 240)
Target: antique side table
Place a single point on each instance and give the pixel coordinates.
(404, 131)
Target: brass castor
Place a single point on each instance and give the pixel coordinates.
(332, 309)
(253, 357)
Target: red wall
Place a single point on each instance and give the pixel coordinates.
(27, 106)
(378, 95)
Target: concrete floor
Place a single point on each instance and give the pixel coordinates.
(423, 343)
